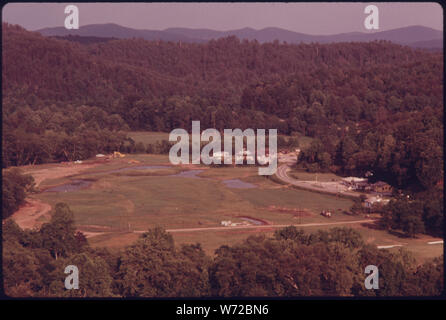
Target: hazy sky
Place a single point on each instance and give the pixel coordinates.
(311, 18)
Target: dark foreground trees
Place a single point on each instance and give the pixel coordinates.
(270, 267)
(153, 267)
(423, 213)
(15, 185)
(291, 263)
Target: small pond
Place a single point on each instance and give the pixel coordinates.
(188, 174)
(253, 221)
(74, 185)
(139, 168)
(238, 184)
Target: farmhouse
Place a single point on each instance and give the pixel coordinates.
(381, 187)
(362, 184)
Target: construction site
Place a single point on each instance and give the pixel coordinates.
(116, 197)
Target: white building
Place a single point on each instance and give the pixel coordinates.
(369, 202)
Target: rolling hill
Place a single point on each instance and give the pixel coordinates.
(415, 36)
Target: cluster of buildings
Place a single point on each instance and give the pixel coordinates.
(244, 155)
(363, 185)
(288, 156)
(378, 190)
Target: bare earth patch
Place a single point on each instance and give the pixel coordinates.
(63, 170)
(27, 217)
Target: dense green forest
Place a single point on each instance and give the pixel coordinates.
(372, 106)
(290, 263)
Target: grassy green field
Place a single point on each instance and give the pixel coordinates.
(148, 198)
(309, 176)
(118, 203)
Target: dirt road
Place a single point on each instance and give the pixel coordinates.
(326, 187)
(55, 172)
(265, 226)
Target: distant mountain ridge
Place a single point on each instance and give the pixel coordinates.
(111, 30)
(416, 36)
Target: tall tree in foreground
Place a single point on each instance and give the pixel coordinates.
(153, 267)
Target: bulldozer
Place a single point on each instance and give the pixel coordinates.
(117, 154)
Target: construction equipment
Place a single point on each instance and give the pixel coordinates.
(117, 154)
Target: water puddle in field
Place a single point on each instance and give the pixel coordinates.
(188, 174)
(138, 168)
(254, 221)
(79, 184)
(74, 185)
(238, 184)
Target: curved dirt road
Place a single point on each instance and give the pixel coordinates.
(327, 187)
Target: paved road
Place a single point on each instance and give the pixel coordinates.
(327, 187)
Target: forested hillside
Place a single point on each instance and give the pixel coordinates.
(372, 106)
